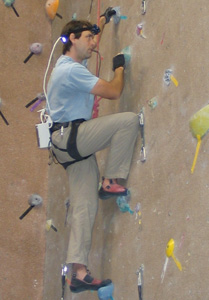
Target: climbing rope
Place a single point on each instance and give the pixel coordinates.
(98, 60)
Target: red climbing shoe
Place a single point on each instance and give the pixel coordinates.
(112, 190)
(88, 283)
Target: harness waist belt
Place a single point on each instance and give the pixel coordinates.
(57, 126)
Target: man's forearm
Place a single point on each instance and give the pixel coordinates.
(110, 89)
(118, 80)
(102, 22)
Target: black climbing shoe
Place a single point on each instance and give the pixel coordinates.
(112, 190)
(104, 195)
(88, 283)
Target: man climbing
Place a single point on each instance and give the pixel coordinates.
(76, 137)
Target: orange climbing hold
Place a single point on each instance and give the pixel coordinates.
(51, 8)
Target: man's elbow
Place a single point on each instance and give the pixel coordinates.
(111, 94)
(107, 90)
(115, 96)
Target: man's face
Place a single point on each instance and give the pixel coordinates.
(85, 44)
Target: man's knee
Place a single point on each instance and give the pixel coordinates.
(132, 119)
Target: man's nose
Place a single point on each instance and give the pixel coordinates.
(94, 43)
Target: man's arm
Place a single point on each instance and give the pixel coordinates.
(104, 19)
(110, 89)
(102, 22)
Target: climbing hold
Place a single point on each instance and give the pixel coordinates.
(168, 77)
(199, 125)
(9, 3)
(153, 102)
(169, 253)
(199, 122)
(1, 114)
(123, 17)
(174, 80)
(41, 97)
(122, 202)
(106, 292)
(139, 30)
(74, 16)
(138, 213)
(116, 17)
(51, 9)
(127, 54)
(33, 201)
(196, 153)
(38, 99)
(49, 225)
(35, 48)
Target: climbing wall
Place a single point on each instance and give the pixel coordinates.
(166, 79)
(23, 166)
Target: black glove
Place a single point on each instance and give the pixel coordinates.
(118, 61)
(109, 12)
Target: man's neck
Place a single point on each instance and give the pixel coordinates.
(73, 56)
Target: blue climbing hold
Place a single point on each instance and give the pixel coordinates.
(127, 54)
(122, 202)
(8, 2)
(106, 292)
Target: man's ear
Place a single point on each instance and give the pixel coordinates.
(72, 37)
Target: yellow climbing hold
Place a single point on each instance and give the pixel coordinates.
(199, 125)
(169, 253)
(174, 80)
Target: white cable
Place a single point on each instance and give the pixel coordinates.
(47, 117)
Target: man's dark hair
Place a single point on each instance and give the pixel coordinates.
(69, 28)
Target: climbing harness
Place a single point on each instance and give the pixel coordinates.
(71, 148)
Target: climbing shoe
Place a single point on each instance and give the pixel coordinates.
(112, 190)
(88, 283)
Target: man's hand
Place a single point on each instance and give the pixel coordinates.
(109, 12)
(118, 61)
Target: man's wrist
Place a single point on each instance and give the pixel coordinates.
(102, 21)
(120, 68)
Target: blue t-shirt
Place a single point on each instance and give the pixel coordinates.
(68, 91)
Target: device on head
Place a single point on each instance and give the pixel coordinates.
(94, 29)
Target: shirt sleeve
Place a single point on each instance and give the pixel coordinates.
(81, 78)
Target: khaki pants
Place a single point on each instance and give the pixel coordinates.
(118, 132)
